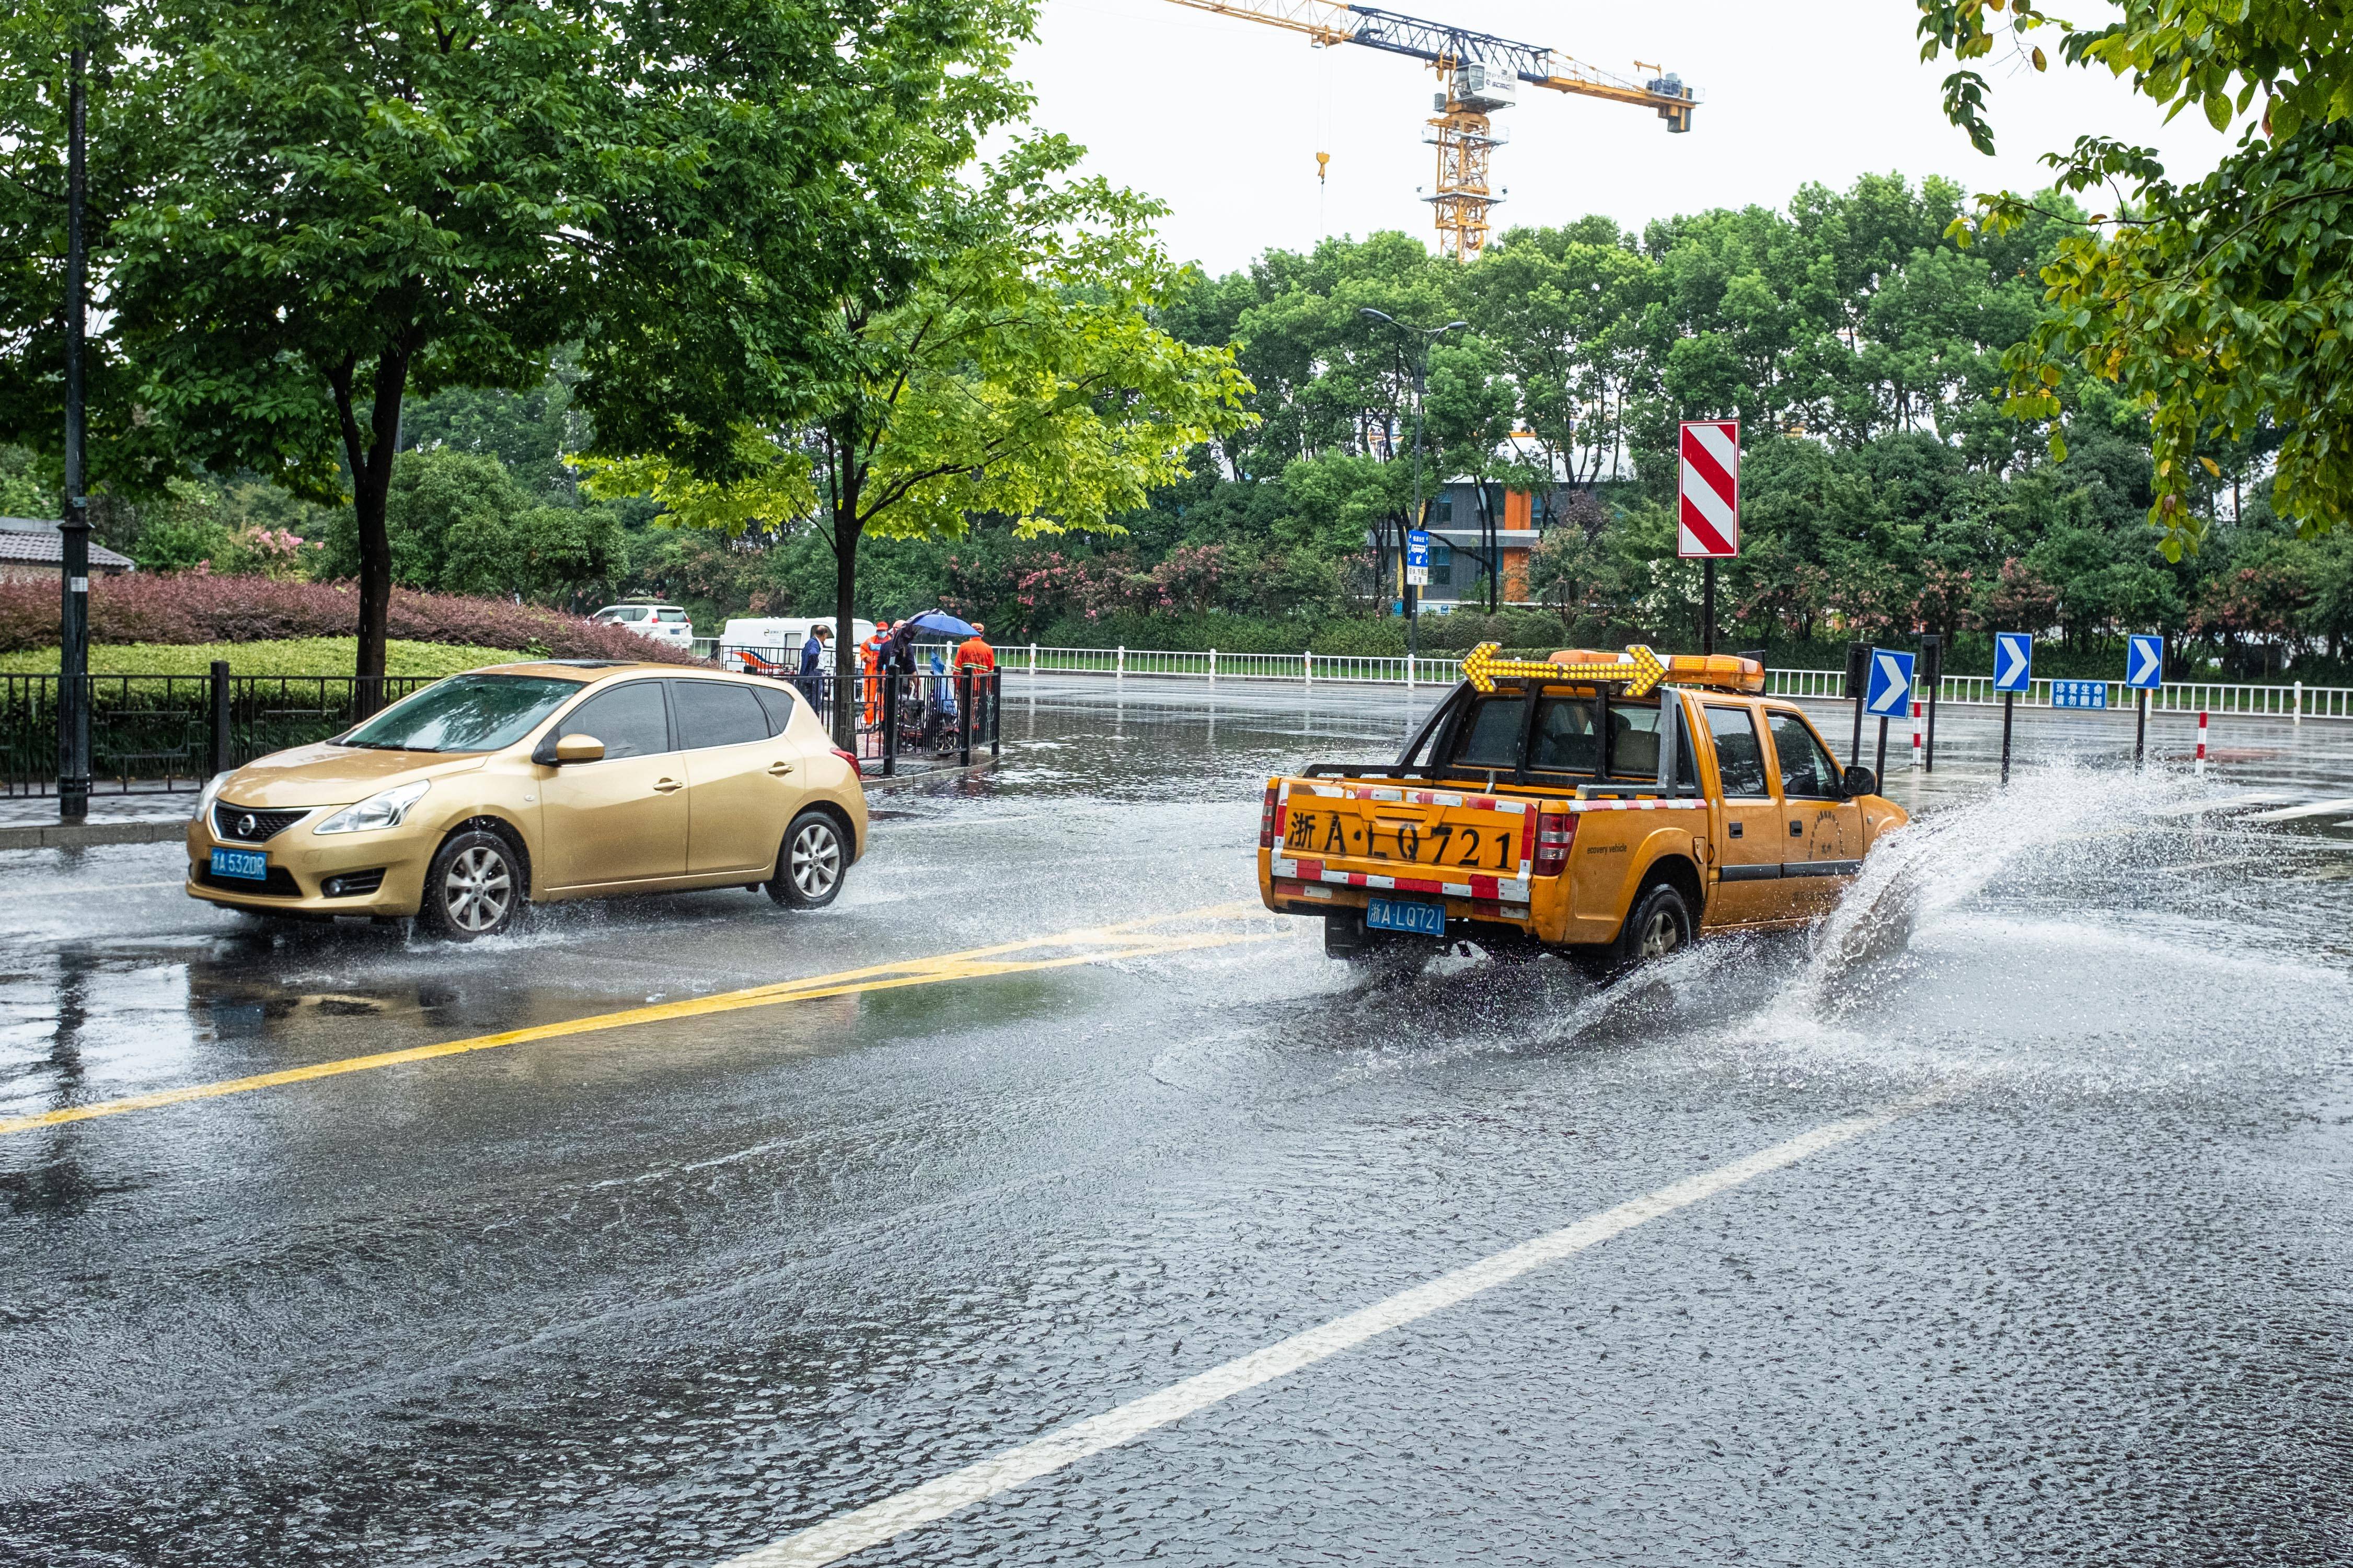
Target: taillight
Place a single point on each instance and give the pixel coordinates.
(849, 757)
(1270, 824)
(1555, 830)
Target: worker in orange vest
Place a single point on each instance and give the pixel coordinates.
(870, 657)
(975, 654)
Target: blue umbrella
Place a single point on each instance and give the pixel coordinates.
(938, 622)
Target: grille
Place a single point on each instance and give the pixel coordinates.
(228, 822)
(352, 884)
(279, 884)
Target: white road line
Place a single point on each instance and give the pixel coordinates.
(103, 888)
(880, 1521)
(2289, 813)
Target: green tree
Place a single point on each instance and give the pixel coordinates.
(1022, 378)
(337, 207)
(2219, 305)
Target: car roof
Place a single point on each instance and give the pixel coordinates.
(588, 671)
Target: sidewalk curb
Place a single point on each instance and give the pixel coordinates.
(929, 776)
(83, 835)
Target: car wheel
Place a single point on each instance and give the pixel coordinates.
(810, 865)
(474, 889)
(1659, 925)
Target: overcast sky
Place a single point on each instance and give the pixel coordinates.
(1222, 118)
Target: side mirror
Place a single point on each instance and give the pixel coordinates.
(570, 749)
(1860, 779)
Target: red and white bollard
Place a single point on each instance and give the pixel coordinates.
(1915, 731)
(2201, 742)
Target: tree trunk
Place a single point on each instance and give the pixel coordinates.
(370, 453)
(846, 527)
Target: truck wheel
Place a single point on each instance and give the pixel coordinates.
(1659, 925)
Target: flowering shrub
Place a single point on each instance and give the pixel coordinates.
(192, 607)
(261, 551)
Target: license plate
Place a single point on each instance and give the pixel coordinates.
(1406, 914)
(251, 864)
(1489, 845)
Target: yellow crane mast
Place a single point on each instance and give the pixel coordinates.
(1479, 73)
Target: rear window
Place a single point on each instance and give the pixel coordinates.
(1568, 738)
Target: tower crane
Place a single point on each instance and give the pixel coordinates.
(1478, 73)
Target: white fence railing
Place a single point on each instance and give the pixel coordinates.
(2293, 701)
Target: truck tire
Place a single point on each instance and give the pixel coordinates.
(1659, 923)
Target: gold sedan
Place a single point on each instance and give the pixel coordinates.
(534, 783)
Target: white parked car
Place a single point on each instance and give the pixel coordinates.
(776, 639)
(663, 623)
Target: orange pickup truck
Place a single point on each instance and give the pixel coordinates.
(1611, 806)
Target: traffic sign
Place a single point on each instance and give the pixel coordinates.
(1890, 687)
(2145, 663)
(2013, 662)
(2079, 694)
(1416, 558)
(1708, 502)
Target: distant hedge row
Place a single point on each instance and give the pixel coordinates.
(142, 607)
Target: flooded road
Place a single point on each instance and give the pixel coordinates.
(674, 1291)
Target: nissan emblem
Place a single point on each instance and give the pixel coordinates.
(246, 825)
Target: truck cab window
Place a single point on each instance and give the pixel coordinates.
(1738, 756)
(1634, 746)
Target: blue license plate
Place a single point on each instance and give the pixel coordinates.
(1404, 914)
(251, 864)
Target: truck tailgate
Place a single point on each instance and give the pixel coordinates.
(1409, 840)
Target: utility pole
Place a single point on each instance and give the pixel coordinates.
(1420, 364)
(73, 565)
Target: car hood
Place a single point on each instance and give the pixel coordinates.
(325, 774)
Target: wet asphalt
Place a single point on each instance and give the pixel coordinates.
(667, 1293)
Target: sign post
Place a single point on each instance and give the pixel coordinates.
(2144, 672)
(2013, 672)
(1886, 694)
(1857, 673)
(1931, 675)
(1708, 507)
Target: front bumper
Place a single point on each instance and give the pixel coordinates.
(302, 864)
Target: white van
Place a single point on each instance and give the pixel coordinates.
(776, 640)
(663, 623)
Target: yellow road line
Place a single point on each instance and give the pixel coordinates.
(1104, 944)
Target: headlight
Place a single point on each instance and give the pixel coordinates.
(211, 794)
(385, 810)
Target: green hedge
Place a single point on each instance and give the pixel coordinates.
(286, 657)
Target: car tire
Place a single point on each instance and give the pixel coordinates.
(811, 863)
(473, 888)
(1659, 925)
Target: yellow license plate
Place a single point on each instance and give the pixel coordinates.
(1490, 845)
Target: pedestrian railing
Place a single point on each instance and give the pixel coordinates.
(2291, 701)
(173, 731)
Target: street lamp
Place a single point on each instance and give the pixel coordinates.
(73, 552)
(1420, 362)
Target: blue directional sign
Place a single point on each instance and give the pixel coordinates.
(2144, 664)
(2079, 694)
(1890, 687)
(2013, 662)
(1417, 547)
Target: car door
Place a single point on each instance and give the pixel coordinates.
(743, 777)
(1824, 828)
(622, 819)
(1749, 887)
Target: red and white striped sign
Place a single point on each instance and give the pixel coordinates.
(1709, 501)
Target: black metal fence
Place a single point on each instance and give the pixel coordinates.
(173, 731)
(165, 732)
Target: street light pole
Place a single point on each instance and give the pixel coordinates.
(73, 565)
(1428, 335)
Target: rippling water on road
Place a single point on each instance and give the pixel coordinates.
(666, 1294)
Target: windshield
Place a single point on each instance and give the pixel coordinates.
(465, 714)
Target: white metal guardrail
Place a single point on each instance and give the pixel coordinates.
(2293, 701)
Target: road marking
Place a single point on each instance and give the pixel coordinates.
(2290, 813)
(1104, 944)
(102, 888)
(877, 1522)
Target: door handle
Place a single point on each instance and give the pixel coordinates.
(778, 770)
(1734, 829)
(664, 786)
(1797, 828)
